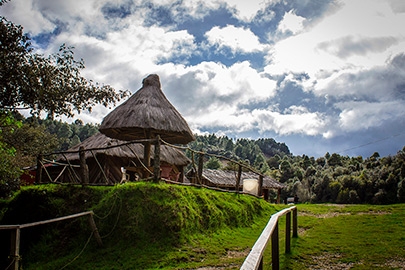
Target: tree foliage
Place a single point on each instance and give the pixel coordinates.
(50, 84)
(331, 178)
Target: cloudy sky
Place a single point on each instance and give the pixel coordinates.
(321, 76)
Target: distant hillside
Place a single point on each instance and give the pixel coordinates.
(244, 149)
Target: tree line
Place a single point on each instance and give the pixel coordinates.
(332, 178)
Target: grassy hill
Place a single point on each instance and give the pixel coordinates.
(142, 225)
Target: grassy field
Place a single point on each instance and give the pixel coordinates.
(146, 226)
(349, 237)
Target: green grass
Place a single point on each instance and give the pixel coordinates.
(160, 226)
(349, 236)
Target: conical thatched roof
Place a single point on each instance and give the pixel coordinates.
(132, 151)
(145, 114)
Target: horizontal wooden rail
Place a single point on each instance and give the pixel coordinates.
(16, 234)
(254, 260)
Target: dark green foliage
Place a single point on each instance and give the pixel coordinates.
(332, 178)
(213, 163)
(341, 179)
(255, 151)
(9, 169)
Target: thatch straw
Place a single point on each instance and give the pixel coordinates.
(145, 114)
(221, 178)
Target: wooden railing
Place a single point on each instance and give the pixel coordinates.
(15, 234)
(255, 258)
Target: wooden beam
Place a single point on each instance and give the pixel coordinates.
(275, 251)
(15, 249)
(84, 170)
(156, 161)
(260, 190)
(95, 230)
(200, 168)
(288, 233)
(238, 178)
(38, 175)
(295, 222)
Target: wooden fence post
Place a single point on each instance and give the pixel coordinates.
(254, 260)
(295, 222)
(278, 195)
(238, 178)
(38, 175)
(275, 252)
(200, 168)
(260, 191)
(84, 170)
(95, 230)
(288, 233)
(156, 161)
(261, 264)
(15, 249)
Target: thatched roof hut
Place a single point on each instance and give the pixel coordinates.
(145, 114)
(227, 179)
(112, 155)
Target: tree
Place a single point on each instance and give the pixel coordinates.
(213, 163)
(29, 141)
(9, 172)
(50, 84)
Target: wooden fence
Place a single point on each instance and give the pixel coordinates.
(83, 173)
(255, 258)
(15, 234)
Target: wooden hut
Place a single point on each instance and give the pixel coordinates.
(110, 161)
(146, 114)
(226, 179)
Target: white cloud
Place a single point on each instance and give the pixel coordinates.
(291, 22)
(354, 40)
(211, 94)
(294, 120)
(246, 9)
(23, 13)
(237, 39)
(362, 115)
